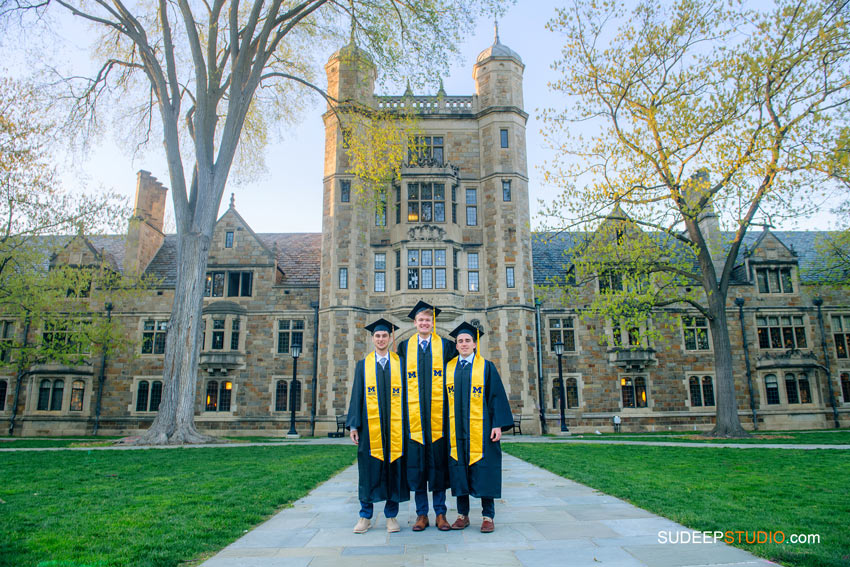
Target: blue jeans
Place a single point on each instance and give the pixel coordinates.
(488, 506)
(390, 509)
(421, 499)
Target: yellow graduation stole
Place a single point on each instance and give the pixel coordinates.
(436, 388)
(476, 410)
(373, 412)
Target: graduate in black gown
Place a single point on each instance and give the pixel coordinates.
(426, 355)
(479, 413)
(378, 428)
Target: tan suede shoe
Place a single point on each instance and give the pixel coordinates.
(363, 525)
(392, 526)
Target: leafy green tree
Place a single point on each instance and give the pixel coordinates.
(686, 110)
(38, 291)
(68, 306)
(834, 249)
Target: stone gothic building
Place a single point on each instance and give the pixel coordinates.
(455, 232)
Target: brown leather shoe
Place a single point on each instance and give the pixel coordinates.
(460, 523)
(421, 523)
(487, 526)
(442, 524)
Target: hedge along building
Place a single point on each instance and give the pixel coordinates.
(455, 233)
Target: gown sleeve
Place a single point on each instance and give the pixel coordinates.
(449, 350)
(497, 401)
(355, 406)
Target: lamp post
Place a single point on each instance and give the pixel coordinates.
(739, 301)
(559, 352)
(102, 378)
(541, 394)
(295, 351)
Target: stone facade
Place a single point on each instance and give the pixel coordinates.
(455, 234)
(790, 372)
(450, 232)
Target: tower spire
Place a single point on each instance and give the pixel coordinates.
(496, 31)
(351, 31)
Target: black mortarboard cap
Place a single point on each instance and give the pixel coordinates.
(465, 327)
(422, 306)
(381, 325)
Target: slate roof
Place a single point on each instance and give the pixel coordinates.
(164, 263)
(111, 246)
(813, 265)
(299, 256)
(552, 253)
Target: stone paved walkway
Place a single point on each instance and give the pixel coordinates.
(542, 520)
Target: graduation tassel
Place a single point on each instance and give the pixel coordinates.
(434, 328)
(477, 338)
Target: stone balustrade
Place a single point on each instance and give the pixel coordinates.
(428, 104)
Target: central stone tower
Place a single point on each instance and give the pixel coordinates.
(454, 232)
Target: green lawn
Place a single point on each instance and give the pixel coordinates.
(147, 507)
(771, 490)
(817, 437)
(45, 442)
(262, 439)
(50, 442)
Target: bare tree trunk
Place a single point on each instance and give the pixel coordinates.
(174, 423)
(727, 423)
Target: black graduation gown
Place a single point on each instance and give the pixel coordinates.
(378, 480)
(427, 464)
(484, 478)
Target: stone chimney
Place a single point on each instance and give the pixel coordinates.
(707, 219)
(144, 233)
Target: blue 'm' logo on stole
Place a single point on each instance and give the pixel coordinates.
(451, 389)
(396, 391)
(411, 374)
(438, 373)
(476, 390)
(371, 389)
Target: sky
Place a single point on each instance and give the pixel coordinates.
(287, 196)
